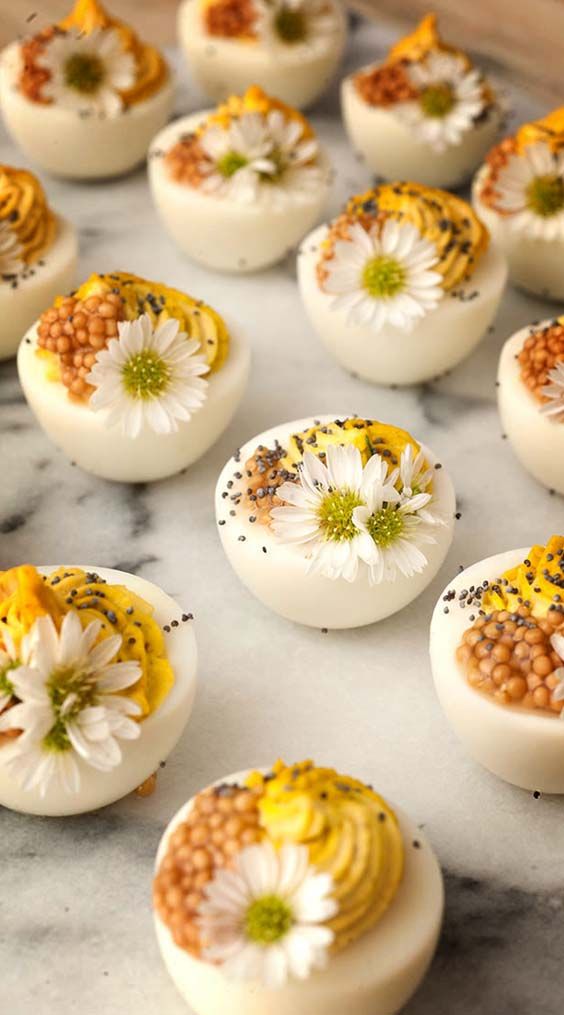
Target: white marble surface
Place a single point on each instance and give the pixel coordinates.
(75, 917)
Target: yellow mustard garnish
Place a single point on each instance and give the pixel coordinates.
(369, 436)
(351, 833)
(23, 205)
(160, 302)
(151, 69)
(442, 218)
(254, 101)
(25, 595)
(421, 41)
(538, 581)
(549, 129)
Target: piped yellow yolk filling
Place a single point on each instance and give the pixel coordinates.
(23, 206)
(25, 595)
(151, 69)
(446, 221)
(423, 40)
(255, 100)
(549, 129)
(369, 436)
(538, 581)
(351, 833)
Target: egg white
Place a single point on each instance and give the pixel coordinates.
(278, 576)
(298, 74)
(65, 144)
(537, 440)
(522, 747)
(436, 343)
(376, 975)
(104, 451)
(55, 273)
(221, 233)
(160, 732)
(390, 149)
(535, 264)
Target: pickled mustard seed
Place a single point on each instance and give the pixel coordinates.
(264, 550)
(324, 630)
(536, 794)
(416, 844)
(241, 539)
(232, 513)
(438, 465)
(221, 521)
(166, 628)
(381, 816)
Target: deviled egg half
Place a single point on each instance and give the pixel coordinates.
(83, 98)
(531, 399)
(237, 187)
(97, 682)
(403, 284)
(38, 254)
(519, 194)
(133, 380)
(297, 891)
(291, 48)
(497, 653)
(426, 113)
(335, 523)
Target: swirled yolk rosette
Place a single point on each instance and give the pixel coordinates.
(28, 227)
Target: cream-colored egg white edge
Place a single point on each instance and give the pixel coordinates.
(225, 234)
(65, 144)
(37, 287)
(390, 149)
(535, 265)
(436, 343)
(298, 74)
(522, 747)
(536, 439)
(276, 573)
(373, 976)
(160, 732)
(82, 434)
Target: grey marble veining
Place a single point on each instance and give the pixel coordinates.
(75, 920)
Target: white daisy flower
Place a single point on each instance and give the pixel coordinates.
(10, 659)
(557, 643)
(87, 71)
(450, 99)
(148, 377)
(320, 509)
(530, 189)
(416, 478)
(11, 252)
(263, 918)
(67, 705)
(260, 156)
(384, 277)
(282, 23)
(395, 530)
(555, 392)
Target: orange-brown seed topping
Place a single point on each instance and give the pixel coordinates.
(542, 350)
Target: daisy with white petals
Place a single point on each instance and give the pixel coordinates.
(283, 23)
(347, 516)
(319, 509)
(11, 259)
(87, 71)
(148, 377)
(10, 659)
(260, 156)
(450, 99)
(263, 919)
(384, 276)
(529, 189)
(67, 705)
(554, 391)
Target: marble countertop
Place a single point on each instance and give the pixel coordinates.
(76, 931)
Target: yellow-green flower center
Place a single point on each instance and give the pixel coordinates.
(545, 195)
(70, 690)
(385, 526)
(231, 163)
(268, 920)
(437, 100)
(84, 72)
(6, 686)
(145, 375)
(290, 25)
(335, 515)
(383, 277)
